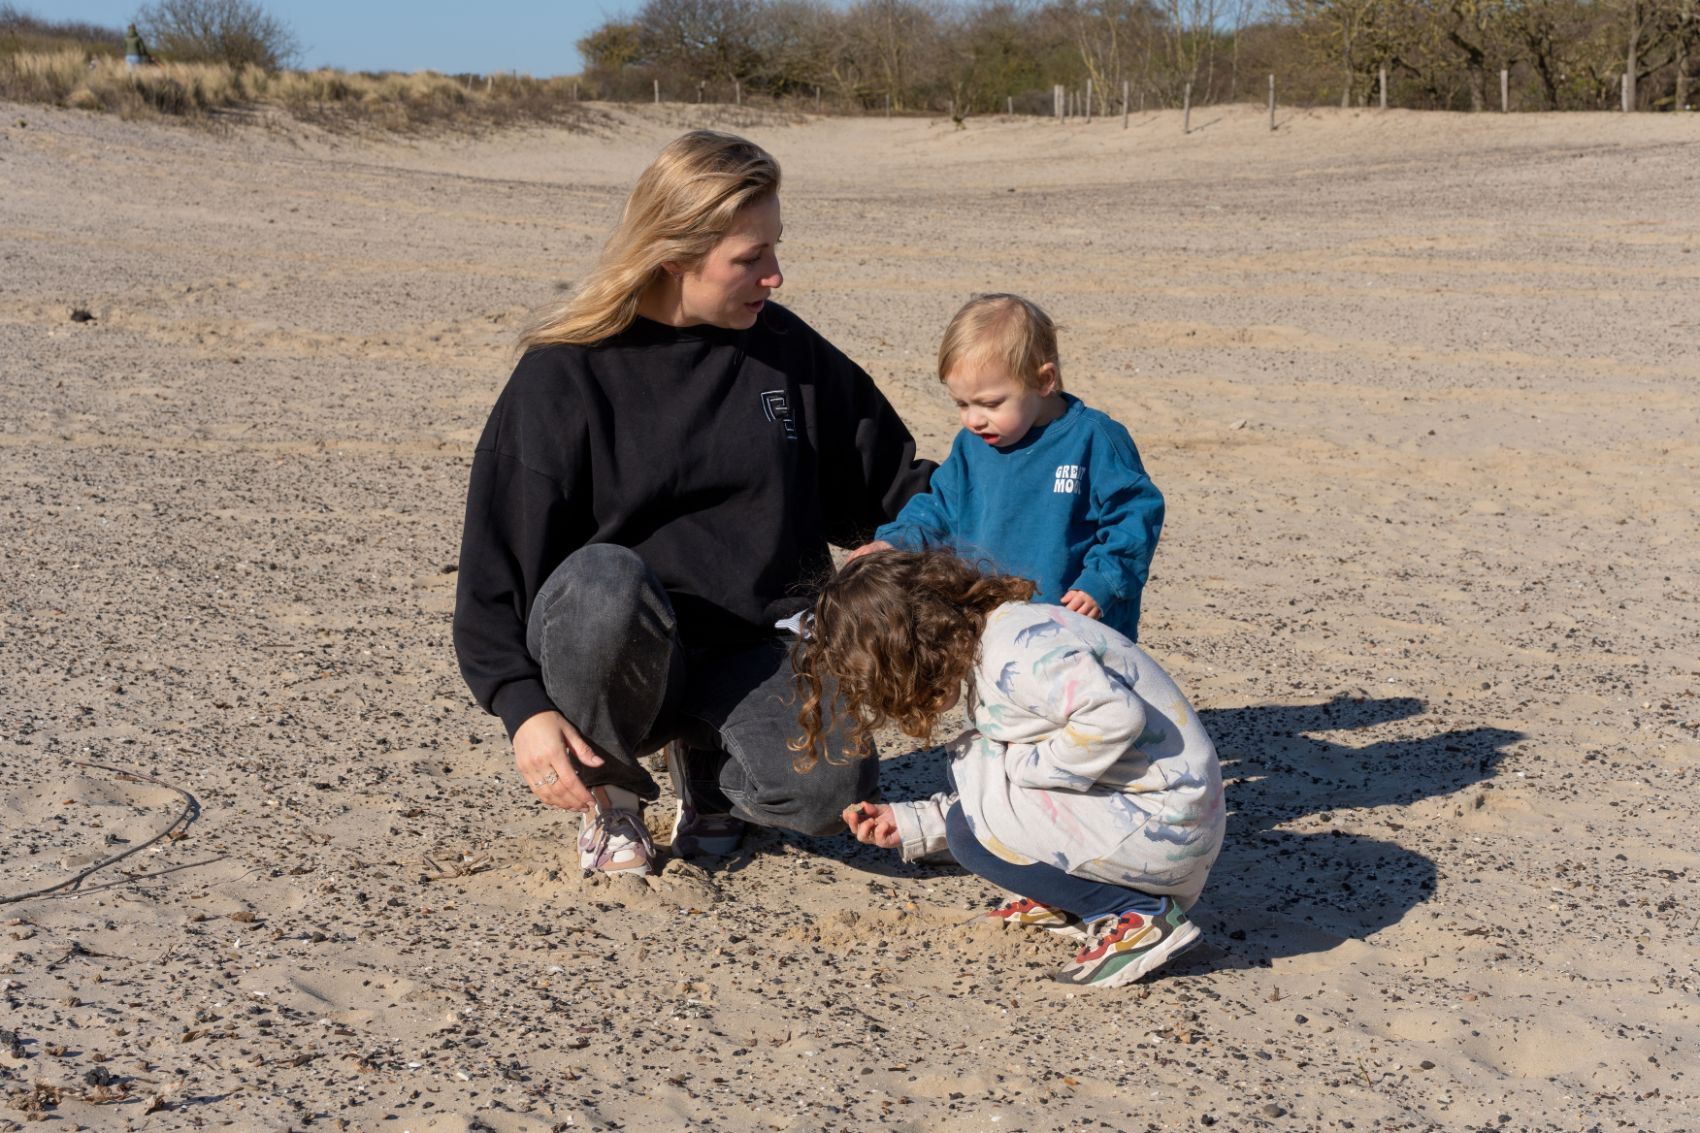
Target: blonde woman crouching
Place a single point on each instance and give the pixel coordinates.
(665, 468)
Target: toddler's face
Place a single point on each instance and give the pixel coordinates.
(995, 406)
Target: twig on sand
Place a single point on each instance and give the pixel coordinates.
(468, 865)
(190, 810)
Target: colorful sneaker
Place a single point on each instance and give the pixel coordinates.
(1023, 912)
(1121, 949)
(699, 831)
(614, 839)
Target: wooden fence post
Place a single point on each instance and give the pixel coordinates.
(1089, 102)
(1124, 104)
(1504, 91)
(1186, 110)
(658, 92)
(1384, 86)
(1271, 102)
(1626, 92)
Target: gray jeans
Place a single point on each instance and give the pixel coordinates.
(605, 635)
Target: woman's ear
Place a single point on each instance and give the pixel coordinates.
(673, 268)
(1047, 375)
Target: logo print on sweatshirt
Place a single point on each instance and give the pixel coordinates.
(777, 408)
(1069, 479)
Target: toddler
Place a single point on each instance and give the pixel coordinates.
(1036, 483)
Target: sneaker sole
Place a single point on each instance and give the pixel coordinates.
(1126, 967)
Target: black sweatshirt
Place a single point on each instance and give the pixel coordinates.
(727, 459)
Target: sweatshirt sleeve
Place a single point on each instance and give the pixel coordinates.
(920, 823)
(520, 524)
(869, 469)
(1130, 519)
(929, 518)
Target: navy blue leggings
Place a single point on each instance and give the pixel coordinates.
(1046, 884)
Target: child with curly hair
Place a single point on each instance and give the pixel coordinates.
(1085, 784)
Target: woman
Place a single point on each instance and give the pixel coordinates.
(655, 487)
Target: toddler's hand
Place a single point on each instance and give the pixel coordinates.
(868, 549)
(873, 823)
(1081, 603)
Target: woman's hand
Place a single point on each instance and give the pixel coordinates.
(873, 823)
(868, 549)
(1081, 603)
(547, 751)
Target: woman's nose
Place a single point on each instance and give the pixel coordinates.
(774, 278)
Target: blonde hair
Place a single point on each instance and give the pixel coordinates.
(680, 208)
(1006, 329)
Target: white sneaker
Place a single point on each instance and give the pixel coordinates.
(614, 839)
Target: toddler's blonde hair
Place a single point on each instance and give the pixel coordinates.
(1006, 329)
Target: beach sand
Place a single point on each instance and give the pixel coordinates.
(1421, 390)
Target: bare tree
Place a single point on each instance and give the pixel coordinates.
(701, 40)
(236, 32)
(981, 54)
(887, 38)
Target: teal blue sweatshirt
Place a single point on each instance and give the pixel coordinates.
(1068, 506)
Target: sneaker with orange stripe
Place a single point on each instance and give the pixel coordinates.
(1024, 912)
(1122, 949)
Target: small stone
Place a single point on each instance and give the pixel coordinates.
(1301, 1019)
(1426, 1064)
(1270, 1109)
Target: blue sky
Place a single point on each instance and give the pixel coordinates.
(533, 36)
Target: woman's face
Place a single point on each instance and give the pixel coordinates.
(731, 284)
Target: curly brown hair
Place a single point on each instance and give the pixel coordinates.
(899, 632)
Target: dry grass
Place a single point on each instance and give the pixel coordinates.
(336, 99)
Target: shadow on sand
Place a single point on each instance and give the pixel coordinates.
(1277, 892)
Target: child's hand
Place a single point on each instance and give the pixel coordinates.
(868, 549)
(1081, 603)
(873, 823)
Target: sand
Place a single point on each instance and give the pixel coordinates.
(1420, 389)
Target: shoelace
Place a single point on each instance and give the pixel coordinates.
(622, 824)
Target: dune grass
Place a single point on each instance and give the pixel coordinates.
(335, 99)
